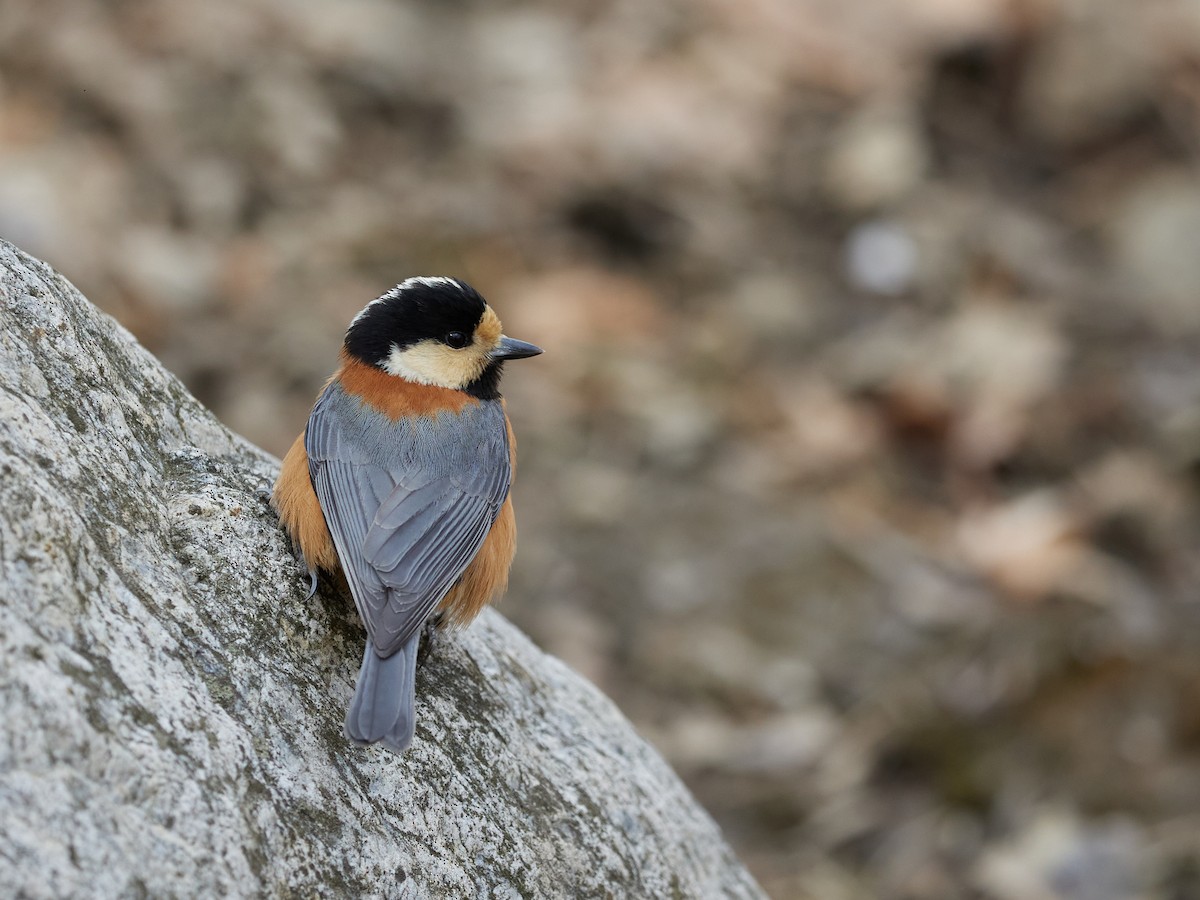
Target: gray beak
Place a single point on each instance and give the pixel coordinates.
(511, 348)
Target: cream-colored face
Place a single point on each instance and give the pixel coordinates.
(437, 363)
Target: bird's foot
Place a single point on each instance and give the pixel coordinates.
(431, 636)
(312, 584)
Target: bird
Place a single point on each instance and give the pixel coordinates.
(402, 477)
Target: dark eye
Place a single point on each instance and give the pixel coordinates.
(457, 340)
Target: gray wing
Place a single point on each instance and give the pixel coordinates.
(408, 503)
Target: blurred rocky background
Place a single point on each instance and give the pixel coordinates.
(862, 465)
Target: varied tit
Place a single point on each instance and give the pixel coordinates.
(402, 476)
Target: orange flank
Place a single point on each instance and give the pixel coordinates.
(300, 511)
(487, 575)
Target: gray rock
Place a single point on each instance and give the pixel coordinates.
(172, 707)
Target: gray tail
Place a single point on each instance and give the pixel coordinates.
(382, 708)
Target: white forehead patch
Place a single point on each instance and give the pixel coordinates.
(406, 284)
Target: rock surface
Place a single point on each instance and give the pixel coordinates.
(172, 706)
